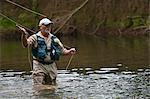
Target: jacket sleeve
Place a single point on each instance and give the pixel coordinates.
(32, 40)
(64, 51)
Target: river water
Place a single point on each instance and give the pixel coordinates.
(103, 68)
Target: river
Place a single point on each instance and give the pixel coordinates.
(103, 68)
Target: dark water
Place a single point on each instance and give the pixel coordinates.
(94, 52)
(103, 68)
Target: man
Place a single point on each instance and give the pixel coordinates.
(44, 67)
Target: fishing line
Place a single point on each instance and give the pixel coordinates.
(17, 24)
(26, 8)
(69, 61)
(9, 18)
(70, 15)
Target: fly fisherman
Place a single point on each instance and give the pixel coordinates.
(46, 49)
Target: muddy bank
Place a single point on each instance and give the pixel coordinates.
(74, 32)
(130, 32)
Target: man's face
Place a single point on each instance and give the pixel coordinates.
(46, 28)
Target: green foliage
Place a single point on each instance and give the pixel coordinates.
(24, 19)
(138, 21)
(126, 23)
(148, 21)
(134, 21)
(6, 24)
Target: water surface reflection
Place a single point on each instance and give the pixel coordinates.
(95, 52)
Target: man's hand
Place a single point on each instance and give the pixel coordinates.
(23, 30)
(23, 36)
(72, 51)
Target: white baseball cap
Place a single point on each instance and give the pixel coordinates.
(45, 21)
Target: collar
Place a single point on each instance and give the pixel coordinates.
(40, 34)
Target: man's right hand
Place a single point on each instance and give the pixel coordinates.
(23, 36)
(22, 29)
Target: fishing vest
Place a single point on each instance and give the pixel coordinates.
(40, 51)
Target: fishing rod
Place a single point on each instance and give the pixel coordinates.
(17, 24)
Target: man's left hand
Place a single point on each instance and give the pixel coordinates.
(72, 51)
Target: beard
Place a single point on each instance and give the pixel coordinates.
(46, 31)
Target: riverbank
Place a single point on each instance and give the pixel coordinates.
(15, 34)
(96, 17)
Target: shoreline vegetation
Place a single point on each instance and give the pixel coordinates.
(97, 17)
(137, 26)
